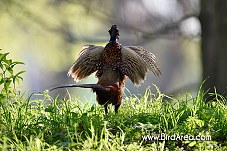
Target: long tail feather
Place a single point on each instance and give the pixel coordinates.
(93, 86)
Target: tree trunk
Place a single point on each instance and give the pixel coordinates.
(214, 44)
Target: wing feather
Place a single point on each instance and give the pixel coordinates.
(136, 63)
(149, 58)
(87, 62)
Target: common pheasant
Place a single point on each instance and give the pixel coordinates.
(112, 63)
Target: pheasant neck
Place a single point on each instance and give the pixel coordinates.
(113, 39)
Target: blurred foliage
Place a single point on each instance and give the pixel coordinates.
(52, 28)
(48, 34)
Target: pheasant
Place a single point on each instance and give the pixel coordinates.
(112, 64)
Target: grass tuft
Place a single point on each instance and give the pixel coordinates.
(69, 124)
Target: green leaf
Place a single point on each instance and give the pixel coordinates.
(16, 77)
(18, 62)
(10, 70)
(192, 144)
(15, 63)
(7, 83)
(1, 81)
(2, 97)
(3, 56)
(9, 62)
(49, 109)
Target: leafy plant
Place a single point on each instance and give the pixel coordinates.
(8, 77)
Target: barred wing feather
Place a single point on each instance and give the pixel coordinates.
(87, 62)
(149, 58)
(137, 61)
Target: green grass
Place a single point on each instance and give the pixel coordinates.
(69, 124)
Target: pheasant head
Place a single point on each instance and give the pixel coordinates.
(114, 34)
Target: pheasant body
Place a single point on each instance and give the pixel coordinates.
(110, 76)
(113, 63)
(110, 58)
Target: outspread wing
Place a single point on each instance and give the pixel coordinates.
(137, 61)
(87, 63)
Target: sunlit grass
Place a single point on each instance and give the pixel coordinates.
(72, 124)
(69, 124)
